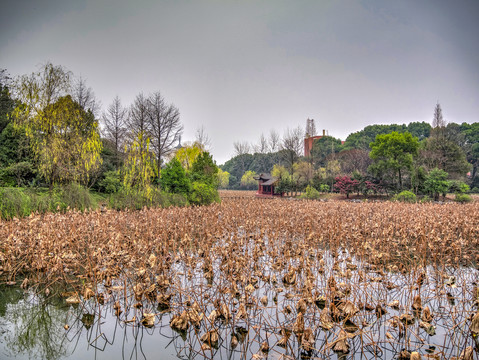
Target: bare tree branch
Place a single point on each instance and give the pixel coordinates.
(273, 141)
(291, 146)
(115, 121)
(137, 119)
(84, 95)
(262, 145)
(241, 148)
(165, 126)
(203, 139)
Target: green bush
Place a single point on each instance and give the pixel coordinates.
(136, 199)
(463, 198)
(405, 196)
(310, 193)
(203, 194)
(324, 188)
(475, 190)
(458, 187)
(111, 183)
(174, 178)
(177, 200)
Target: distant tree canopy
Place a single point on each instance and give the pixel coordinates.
(457, 152)
(259, 163)
(323, 148)
(362, 139)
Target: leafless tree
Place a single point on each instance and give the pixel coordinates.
(274, 141)
(291, 146)
(203, 139)
(85, 97)
(165, 126)
(353, 160)
(438, 124)
(241, 148)
(114, 121)
(293, 140)
(438, 120)
(138, 118)
(262, 145)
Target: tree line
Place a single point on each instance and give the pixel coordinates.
(379, 158)
(52, 132)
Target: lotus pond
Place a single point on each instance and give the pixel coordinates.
(248, 278)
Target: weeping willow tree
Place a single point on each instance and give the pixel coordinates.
(64, 137)
(187, 154)
(139, 168)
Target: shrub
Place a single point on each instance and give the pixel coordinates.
(405, 196)
(137, 199)
(177, 200)
(203, 194)
(324, 188)
(111, 182)
(475, 190)
(458, 187)
(346, 185)
(463, 198)
(310, 193)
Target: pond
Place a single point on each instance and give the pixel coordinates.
(243, 279)
(32, 327)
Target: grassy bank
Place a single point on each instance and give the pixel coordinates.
(21, 202)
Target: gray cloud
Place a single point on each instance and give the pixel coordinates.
(243, 67)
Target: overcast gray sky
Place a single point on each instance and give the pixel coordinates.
(240, 68)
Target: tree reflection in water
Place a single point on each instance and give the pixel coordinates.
(32, 328)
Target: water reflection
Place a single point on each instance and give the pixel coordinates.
(32, 328)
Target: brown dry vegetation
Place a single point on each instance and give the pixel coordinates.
(268, 275)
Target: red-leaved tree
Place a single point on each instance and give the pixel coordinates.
(346, 185)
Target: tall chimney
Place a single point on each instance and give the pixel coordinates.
(324, 132)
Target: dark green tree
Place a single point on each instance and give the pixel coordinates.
(471, 135)
(7, 104)
(204, 170)
(421, 130)
(323, 148)
(436, 183)
(174, 179)
(442, 153)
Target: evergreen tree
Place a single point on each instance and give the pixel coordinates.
(174, 178)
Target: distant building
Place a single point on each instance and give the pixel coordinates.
(309, 142)
(266, 185)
